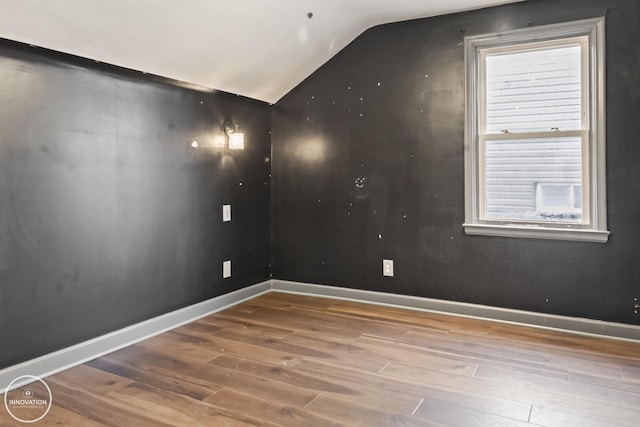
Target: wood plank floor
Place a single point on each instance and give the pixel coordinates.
(289, 360)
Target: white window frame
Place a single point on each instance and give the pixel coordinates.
(594, 223)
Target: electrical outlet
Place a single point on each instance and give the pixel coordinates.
(226, 269)
(226, 213)
(387, 267)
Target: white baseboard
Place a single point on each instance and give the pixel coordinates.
(66, 358)
(571, 324)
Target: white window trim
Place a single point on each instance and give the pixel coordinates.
(595, 228)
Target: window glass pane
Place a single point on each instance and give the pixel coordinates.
(534, 90)
(534, 179)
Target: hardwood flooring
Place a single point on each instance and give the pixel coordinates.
(289, 360)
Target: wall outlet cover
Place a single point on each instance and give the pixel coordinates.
(226, 269)
(387, 267)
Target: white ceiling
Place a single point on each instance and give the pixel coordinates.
(257, 48)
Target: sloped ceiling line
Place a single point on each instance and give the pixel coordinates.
(256, 48)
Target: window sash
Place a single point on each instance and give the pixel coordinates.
(585, 176)
(483, 53)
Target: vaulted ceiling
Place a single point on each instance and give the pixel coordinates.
(256, 48)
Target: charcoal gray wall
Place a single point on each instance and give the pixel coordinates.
(369, 164)
(107, 216)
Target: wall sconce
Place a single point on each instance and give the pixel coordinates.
(231, 140)
(235, 139)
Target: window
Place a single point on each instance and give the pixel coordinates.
(534, 137)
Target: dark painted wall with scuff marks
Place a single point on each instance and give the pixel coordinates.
(107, 216)
(369, 164)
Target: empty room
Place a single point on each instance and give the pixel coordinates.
(320, 213)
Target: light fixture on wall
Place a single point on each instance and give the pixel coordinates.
(235, 139)
(230, 139)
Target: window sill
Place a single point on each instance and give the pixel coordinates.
(529, 232)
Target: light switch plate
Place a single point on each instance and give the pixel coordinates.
(226, 213)
(226, 269)
(387, 267)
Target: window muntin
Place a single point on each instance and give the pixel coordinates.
(535, 125)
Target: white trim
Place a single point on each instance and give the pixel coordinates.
(576, 325)
(69, 357)
(532, 34)
(533, 232)
(594, 220)
(598, 126)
